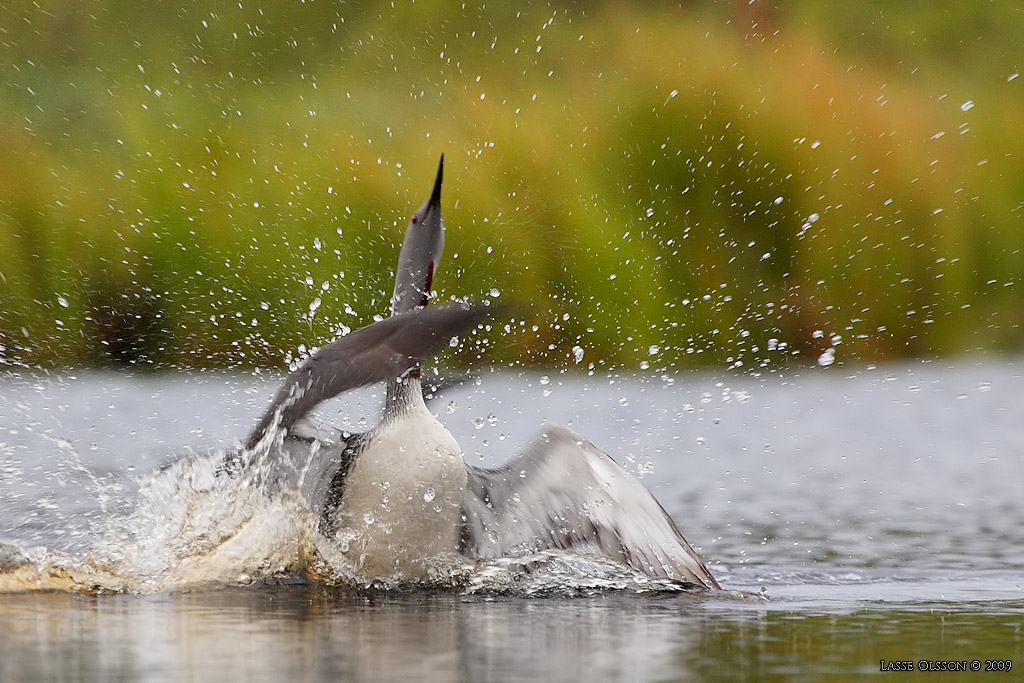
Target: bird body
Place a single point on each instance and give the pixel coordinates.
(402, 497)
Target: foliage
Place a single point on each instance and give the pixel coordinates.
(725, 184)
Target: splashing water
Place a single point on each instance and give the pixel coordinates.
(191, 524)
(194, 524)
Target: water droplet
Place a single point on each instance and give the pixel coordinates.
(478, 423)
(62, 301)
(368, 518)
(428, 495)
(968, 105)
(577, 353)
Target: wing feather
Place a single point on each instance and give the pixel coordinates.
(565, 492)
(371, 354)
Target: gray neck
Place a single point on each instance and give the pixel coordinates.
(404, 394)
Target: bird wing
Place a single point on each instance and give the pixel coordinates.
(371, 354)
(565, 492)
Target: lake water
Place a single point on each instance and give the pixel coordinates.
(882, 509)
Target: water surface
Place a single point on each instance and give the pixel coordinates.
(880, 508)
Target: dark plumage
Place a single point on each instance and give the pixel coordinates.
(375, 353)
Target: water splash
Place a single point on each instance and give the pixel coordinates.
(194, 524)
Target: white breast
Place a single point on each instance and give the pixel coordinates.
(402, 502)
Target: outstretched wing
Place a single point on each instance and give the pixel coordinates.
(565, 492)
(371, 354)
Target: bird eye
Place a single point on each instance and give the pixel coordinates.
(415, 220)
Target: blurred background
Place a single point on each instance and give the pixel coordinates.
(741, 185)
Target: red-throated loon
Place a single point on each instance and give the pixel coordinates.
(401, 496)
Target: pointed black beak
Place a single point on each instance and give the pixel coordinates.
(435, 196)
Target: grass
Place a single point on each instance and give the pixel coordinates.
(719, 185)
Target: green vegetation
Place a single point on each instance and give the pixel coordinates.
(718, 184)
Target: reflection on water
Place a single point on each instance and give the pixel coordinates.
(881, 510)
(284, 633)
(312, 633)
